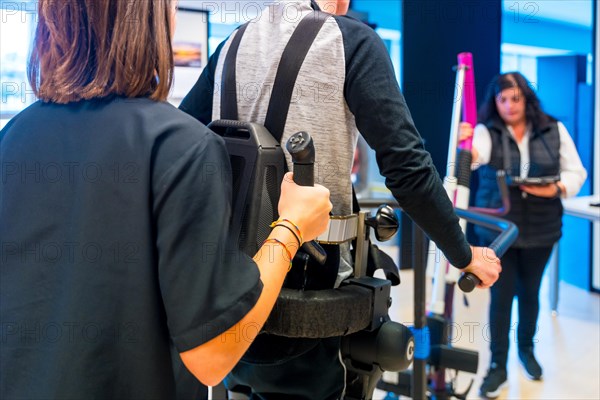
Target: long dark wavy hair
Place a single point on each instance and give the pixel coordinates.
(533, 110)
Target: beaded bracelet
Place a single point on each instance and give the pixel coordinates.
(291, 230)
(293, 224)
(273, 240)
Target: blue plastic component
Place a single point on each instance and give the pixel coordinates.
(422, 343)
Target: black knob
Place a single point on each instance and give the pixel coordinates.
(385, 223)
(467, 282)
(301, 147)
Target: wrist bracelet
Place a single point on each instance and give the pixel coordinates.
(291, 230)
(290, 222)
(277, 241)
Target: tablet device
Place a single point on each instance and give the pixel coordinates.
(538, 180)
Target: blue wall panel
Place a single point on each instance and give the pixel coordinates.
(541, 32)
(575, 249)
(563, 93)
(385, 13)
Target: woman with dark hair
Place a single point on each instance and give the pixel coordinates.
(114, 210)
(514, 134)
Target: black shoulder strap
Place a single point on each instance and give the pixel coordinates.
(228, 83)
(355, 203)
(291, 61)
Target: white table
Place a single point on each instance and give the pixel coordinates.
(578, 207)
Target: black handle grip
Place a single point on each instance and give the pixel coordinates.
(304, 174)
(463, 168)
(315, 251)
(507, 237)
(302, 149)
(468, 282)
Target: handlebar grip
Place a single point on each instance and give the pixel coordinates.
(302, 149)
(467, 282)
(304, 174)
(500, 245)
(315, 251)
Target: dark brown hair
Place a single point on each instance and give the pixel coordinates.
(533, 109)
(85, 49)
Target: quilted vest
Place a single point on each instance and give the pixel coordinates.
(539, 219)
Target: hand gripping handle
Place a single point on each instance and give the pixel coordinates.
(302, 149)
(507, 237)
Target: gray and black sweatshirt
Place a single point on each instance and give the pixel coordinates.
(346, 85)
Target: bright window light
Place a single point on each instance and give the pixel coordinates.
(15, 43)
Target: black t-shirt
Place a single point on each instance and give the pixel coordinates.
(114, 215)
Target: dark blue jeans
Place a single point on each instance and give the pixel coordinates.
(521, 276)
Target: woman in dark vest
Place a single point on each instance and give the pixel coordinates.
(514, 134)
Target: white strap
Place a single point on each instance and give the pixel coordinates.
(340, 229)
